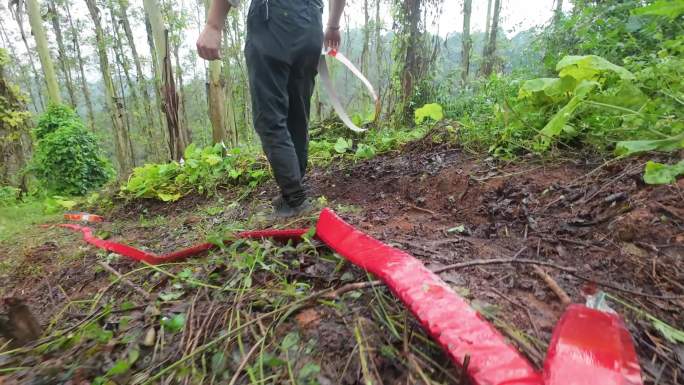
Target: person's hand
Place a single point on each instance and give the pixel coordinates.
(332, 38)
(209, 42)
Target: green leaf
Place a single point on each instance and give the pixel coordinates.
(212, 159)
(169, 197)
(671, 334)
(560, 120)
(170, 296)
(308, 370)
(433, 111)
(364, 151)
(290, 340)
(588, 67)
(668, 8)
(174, 324)
(630, 147)
(658, 173)
(124, 365)
(342, 145)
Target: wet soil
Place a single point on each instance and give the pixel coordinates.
(442, 206)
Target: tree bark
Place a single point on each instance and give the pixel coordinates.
(157, 81)
(178, 137)
(467, 41)
(366, 38)
(36, 22)
(17, 16)
(124, 152)
(490, 54)
(151, 143)
(411, 73)
(488, 27)
(558, 12)
(62, 57)
(81, 67)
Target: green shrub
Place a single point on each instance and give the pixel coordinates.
(203, 170)
(8, 195)
(68, 159)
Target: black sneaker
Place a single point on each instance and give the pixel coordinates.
(282, 209)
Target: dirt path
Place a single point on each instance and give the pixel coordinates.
(445, 207)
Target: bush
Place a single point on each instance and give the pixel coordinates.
(68, 159)
(8, 195)
(203, 170)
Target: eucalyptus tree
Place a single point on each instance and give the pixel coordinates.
(114, 103)
(33, 10)
(62, 57)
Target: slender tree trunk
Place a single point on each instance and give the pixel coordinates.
(62, 57)
(488, 26)
(81, 67)
(151, 142)
(36, 22)
(490, 55)
(17, 16)
(124, 152)
(157, 81)
(182, 113)
(216, 99)
(409, 69)
(366, 38)
(178, 136)
(467, 41)
(558, 12)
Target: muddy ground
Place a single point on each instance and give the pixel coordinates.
(442, 206)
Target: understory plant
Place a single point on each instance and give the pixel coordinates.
(67, 158)
(201, 170)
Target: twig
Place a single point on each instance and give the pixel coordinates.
(351, 287)
(464, 369)
(553, 285)
(569, 270)
(125, 280)
(244, 361)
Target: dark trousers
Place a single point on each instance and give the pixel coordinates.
(283, 46)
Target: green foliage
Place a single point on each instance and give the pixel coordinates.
(669, 8)
(174, 324)
(203, 170)
(8, 195)
(14, 127)
(658, 173)
(631, 147)
(68, 159)
(432, 111)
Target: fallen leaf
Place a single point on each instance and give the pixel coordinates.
(308, 318)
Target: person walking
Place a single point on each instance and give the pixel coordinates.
(282, 50)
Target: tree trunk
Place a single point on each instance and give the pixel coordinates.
(488, 26)
(366, 38)
(178, 138)
(157, 81)
(490, 54)
(84, 82)
(182, 113)
(151, 139)
(467, 41)
(124, 152)
(409, 70)
(558, 12)
(62, 57)
(17, 16)
(36, 22)
(216, 99)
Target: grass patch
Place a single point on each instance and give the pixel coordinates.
(21, 220)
